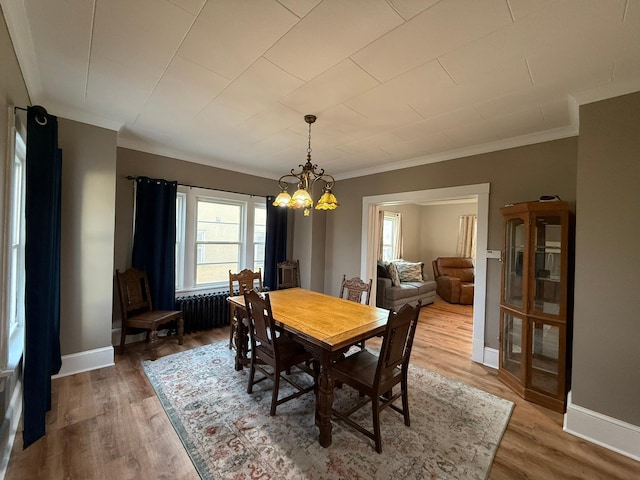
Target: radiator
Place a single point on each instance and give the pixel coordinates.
(204, 312)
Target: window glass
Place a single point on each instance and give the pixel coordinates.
(259, 234)
(389, 236)
(219, 238)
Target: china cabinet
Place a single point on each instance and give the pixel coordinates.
(534, 304)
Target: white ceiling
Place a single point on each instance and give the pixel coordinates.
(393, 83)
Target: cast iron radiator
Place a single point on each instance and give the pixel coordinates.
(204, 312)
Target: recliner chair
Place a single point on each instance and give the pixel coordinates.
(454, 278)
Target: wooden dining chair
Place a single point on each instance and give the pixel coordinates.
(355, 289)
(272, 348)
(137, 310)
(288, 274)
(376, 376)
(253, 280)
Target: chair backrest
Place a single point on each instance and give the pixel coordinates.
(288, 274)
(133, 286)
(246, 277)
(458, 267)
(355, 289)
(398, 340)
(261, 324)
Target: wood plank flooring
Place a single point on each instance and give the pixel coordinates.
(108, 423)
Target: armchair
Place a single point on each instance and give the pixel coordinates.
(454, 278)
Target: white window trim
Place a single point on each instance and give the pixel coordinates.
(11, 340)
(192, 195)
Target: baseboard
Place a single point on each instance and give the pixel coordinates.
(491, 357)
(85, 361)
(13, 414)
(608, 432)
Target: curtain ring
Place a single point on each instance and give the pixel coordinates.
(40, 114)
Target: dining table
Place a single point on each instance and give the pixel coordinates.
(325, 325)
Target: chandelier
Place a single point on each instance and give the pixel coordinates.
(305, 179)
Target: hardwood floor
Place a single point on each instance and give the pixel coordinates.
(108, 423)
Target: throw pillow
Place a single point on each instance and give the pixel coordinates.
(383, 269)
(393, 274)
(409, 271)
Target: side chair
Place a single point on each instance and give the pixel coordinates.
(355, 289)
(288, 274)
(272, 348)
(253, 280)
(137, 310)
(375, 376)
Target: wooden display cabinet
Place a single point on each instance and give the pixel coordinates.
(534, 303)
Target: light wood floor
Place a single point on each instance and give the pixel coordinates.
(108, 423)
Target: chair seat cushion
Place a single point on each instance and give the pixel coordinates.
(360, 367)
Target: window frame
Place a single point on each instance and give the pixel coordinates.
(393, 218)
(12, 321)
(186, 265)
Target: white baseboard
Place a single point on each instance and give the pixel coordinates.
(608, 432)
(491, 357)
(85, 361)
(14, 412)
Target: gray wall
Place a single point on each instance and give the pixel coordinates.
(515, 175)
(88, 211)
(439, 231)
(606, 354)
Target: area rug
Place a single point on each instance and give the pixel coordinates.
(454, 434)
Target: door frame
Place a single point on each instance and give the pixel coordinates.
(370, 208)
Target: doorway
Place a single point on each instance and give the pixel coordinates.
(480, 192)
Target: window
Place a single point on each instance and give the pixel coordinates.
(17, 241)
(216, 232)
(218, 240)
(259, 234)
(390, 235)
(13, 271)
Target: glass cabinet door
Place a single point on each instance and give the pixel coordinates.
(515, 236)
(545, 346)
(547, 238)
(512, 351)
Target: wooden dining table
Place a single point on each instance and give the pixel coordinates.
(325, 326)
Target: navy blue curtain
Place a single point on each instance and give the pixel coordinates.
(275, 244)
(154, 240)
(42, 269)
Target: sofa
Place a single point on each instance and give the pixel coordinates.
(400, 282)
(454, 277)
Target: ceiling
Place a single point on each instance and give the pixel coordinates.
(393, 83)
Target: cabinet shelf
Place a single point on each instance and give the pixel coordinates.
(533, 302)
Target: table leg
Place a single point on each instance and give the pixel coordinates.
(324, 402)
(241, 339)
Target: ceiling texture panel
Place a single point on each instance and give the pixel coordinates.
(393, 83)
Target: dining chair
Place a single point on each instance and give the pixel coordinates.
(272, 348)
(288, 274)
(137, 310)
(355, 289)
(253, 280)
(375, 376)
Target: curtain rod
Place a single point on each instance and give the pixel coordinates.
(129, 177)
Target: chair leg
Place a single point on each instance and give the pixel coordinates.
(405, 404)
(274, 395)
(232, 325)
(252, 373)
(375, 407)
(180, 331)
(153, 339)
(123, 337)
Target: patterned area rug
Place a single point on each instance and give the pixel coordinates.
(455, 429)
